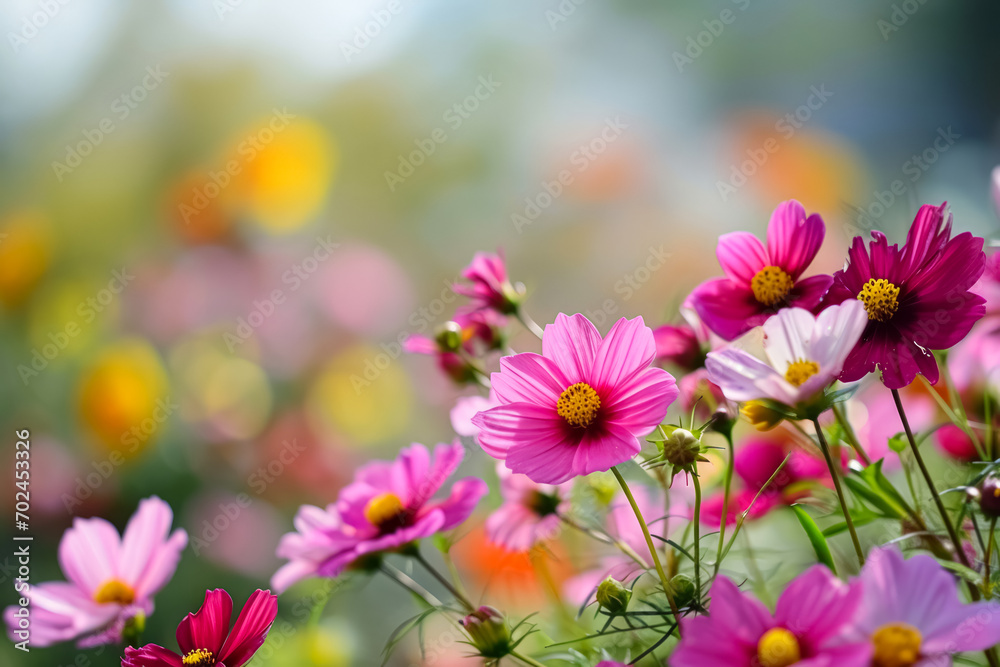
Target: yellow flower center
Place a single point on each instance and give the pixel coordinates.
(880, 298)
(771, 285)
(114, 591)
(198, 658)
(578, 405)
(778, 648)
(896, 645)
(383, 508)
(801, 370)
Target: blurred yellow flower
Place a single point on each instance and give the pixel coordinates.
(282, 171)
(363, 393)
(328, 644)
(123, 396)
(25, 253)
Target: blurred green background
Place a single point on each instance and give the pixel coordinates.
(219, 218)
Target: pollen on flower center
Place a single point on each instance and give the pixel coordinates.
(778, 648)
(383, 509)
(114, 591)
(198, 658)
(896, 645)
(771, 285)
(579, 405)
(801, 370)
(880, 298)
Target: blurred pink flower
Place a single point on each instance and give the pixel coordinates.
(530, 512)
(754, 463)
(581, 405)
(805, 352)
(912, 611)
(466, 407)
(810, 626)
(387, 506)
(759, 280)
(206, 637)
(490, 288)
(882, 420)
(111, 578)
(954, 443)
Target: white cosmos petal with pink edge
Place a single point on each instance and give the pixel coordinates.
(91, 555)
(526, 430)
(790, 336)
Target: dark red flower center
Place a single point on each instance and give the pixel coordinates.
(578, 405)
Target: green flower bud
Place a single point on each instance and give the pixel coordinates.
(683, 590)
(489, 633)
(134, 627)
(682, 448)
(612, 596)
(449, 337)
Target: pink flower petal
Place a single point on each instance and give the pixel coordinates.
(546, 456)
(150, 655)
(250, 629)
(627, 349)
(207, 628)
(529, 378)
(792, 238)
(728, 309)
(818, 605)
(599, 450)
(572, 343)
(504, 427)
(465, 495)
(742, 256)
(641, 403)
(809, 292)
(89, 553)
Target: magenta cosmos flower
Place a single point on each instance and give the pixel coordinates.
(387, 506)
(809, 627)
(207, 639)
(805, 355)
(917, 297)
(111, 579)
(913, 615)
(530, 512)
(488, 288)
(759, 280)
(581, 405)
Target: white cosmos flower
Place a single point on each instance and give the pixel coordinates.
(805, 354)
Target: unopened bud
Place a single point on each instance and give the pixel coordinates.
(989, 496)
(682, 589)
(612, 596)
(489, 633)
(681, 448)
(449, 337)
(760, 416)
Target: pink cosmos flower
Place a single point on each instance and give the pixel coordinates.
(529, 514)
(490, 289)
(760, 280)
(912, 614)
(622, 525)
(917, 297)
(808, 629)
(806, 354)
(956, 444)
(387, 506)
(111, 579)
(581, 405)
(206, 638)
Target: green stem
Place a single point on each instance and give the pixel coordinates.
(527, 659)
(987, 557)
(835, 474)
(464, 601)
(528, 323)
(727, 484)
(849, 433)
(952, 533)
(409, 584)
(696, 523)
(652, 547)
